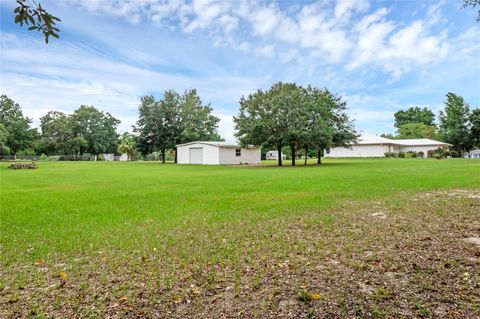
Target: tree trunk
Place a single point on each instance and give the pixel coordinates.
(279, 159)
(175, 155)
(306, 155)
(163, 155)
(319, 157)
(293, 154)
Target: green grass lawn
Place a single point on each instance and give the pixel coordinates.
(68, 210)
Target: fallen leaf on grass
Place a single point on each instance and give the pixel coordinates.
(178, 299)
(196, 291)
(315, 296)
(123, 299)
(63, 276)
(39, 262)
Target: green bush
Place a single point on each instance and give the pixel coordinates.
(421, 154)
(391, 155)
(411, 154)
(439, 153)
(401, 154)
(43, 157)
(24, 165)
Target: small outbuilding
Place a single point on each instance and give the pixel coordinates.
(217, 153)
(273, 155)
(473, 154)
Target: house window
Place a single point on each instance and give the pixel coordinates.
(238, 152)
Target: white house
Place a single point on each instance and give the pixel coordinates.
(376, 146)
(215, 153)
(273, 155)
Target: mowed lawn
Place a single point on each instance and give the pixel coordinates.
(93, 218)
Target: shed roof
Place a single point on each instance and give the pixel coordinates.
(216, 143)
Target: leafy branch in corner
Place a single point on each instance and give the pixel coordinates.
(37, 17)
(473, 4)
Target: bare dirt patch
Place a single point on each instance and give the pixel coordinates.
(334, 264)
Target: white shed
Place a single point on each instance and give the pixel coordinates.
(473, 154)
(273, 155)
(375, 146)
(216, 153)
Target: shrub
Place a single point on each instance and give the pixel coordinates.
(411, 154)
(54, 158)
(101, 157)
(24, 165)
(43, 157)
(390, 155)
(401, 154)
(421, 154)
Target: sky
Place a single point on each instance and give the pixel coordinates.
(380, 56)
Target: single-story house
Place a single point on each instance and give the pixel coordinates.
(273, 155)
(376, 146)
(216, 153)
(473, 154)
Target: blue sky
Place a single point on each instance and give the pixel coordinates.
(381, 56)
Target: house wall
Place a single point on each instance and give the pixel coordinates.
(210, 153)
(248, 156)
(375, 150)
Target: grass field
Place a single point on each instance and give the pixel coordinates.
(142, 239)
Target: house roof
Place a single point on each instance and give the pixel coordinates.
(215, 143)
(420, 142)
(368, 140)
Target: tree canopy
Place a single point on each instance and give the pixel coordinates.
(414, 115)
(417, 130)
(97, 128)
(17, 134)
(294, 116)
(173, 120)
(56, 133)
(475, 127)
(454, 125)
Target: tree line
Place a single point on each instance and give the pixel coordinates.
(457, 124)
(86, 130)
(287, 116)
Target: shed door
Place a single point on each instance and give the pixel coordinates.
(196, 155)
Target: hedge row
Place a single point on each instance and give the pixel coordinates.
(409, 154)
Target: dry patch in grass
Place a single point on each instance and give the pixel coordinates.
(406, 258)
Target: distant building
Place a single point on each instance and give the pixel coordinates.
(377, 147)
(216, 153)
(273, 155)
(473, 154)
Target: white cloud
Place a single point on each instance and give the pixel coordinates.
(48, 80)
(266, 51)
(343, 33)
